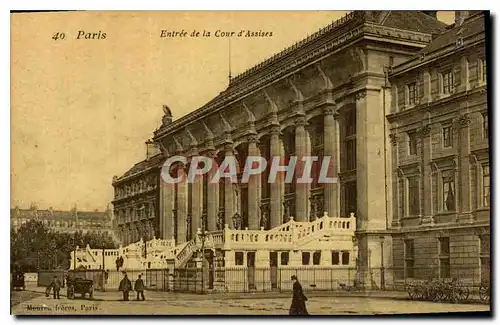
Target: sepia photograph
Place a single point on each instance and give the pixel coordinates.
(250, 163)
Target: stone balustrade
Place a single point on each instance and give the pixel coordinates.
(290, 234)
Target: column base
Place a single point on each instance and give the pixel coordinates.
(465, 218)
(427, 220)
(396, 224)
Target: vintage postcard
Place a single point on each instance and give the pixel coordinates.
(250, 163)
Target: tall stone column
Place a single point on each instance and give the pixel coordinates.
(182, 206)
(196, 204)
(229, 209)
(167, 205)
(213, 195)
(370, 161)
(330, 150)
(275, 197)
(301, 189)
(253, 187)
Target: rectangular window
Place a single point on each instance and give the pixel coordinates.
(444, 268)
(409, 255)
(335, 258)
(350, 154)
(444, 257)
(447, 82)
(485, 125)
(238, 258)
(447, 137)
(413, 195)
(345, 258)
(444, 246)
(316, 258)
(412, 143)
(306, 256)
(483, 70)
(449, 193)
(284, 258)
(412, 93)
(484, 254)
(486, 185)
(350, 122)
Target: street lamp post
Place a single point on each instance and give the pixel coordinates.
(382, 269)
(202, 235)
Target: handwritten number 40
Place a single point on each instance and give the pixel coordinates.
(58, 36)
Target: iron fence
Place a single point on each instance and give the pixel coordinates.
(265, 279)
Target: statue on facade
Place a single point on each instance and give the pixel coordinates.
(220, 220)
(263, 216)
(167, 117)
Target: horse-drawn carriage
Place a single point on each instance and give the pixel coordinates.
(18, 281)
(79, 285)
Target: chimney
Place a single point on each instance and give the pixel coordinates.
(151, 149)
(433, 14)
(460, 16)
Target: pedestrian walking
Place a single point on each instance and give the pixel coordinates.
(125, 286)
(56, 287)
(298, 306)
(139, 288)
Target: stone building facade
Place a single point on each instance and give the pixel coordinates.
(324, 96)
(135, 201)
(439, 135)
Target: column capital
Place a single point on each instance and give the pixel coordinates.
(274, 130)
(253, 138)
(229, 148)
(210, 153)
(425, 130)
(360, 94)
(464, 120)
(394, 138)
(301, 121)
(330, 110)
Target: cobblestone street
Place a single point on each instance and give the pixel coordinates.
(158, 304)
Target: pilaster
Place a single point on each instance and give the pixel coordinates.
(426, 210)
(464, 176)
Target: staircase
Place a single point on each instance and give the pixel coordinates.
(290, 235)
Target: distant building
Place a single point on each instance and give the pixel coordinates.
(65, 221)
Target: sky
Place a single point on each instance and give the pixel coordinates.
(81, 109)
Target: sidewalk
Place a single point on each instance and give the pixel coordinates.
(167, 296)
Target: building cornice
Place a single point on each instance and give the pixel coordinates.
(439, 54)
(417, 109)
(309, 53)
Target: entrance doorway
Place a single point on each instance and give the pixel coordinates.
(251, 270)
(273, 263)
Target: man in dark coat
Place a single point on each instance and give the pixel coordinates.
(125, 287)
(298, 306)
(56, 287)
(139, 288)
